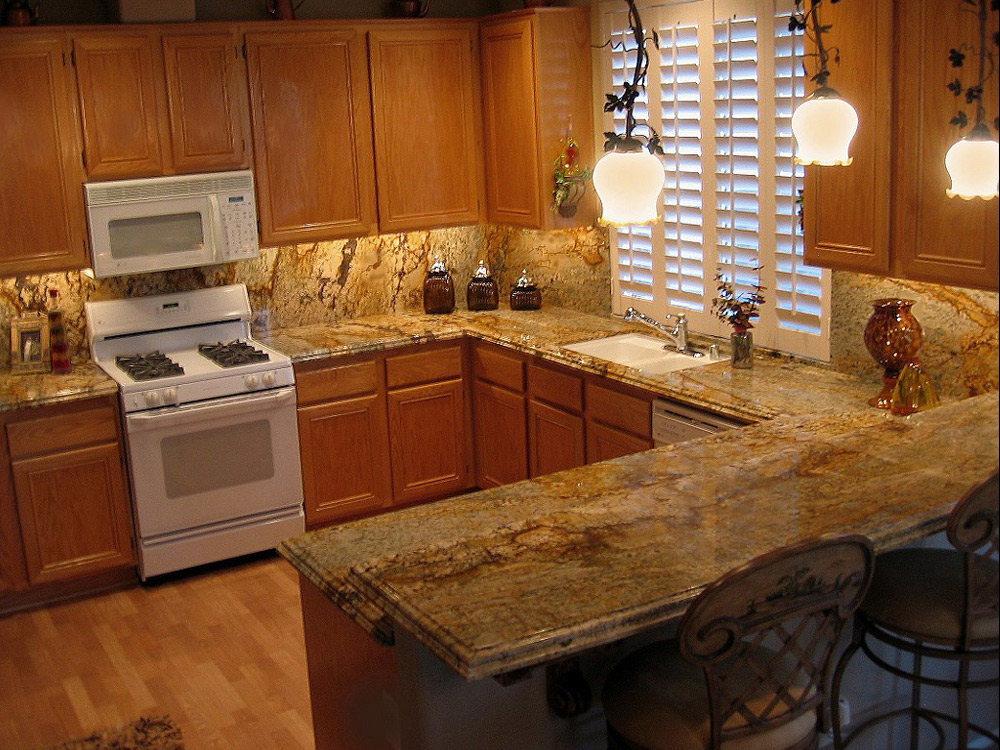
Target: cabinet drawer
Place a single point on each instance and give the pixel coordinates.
(424, 367)
(555, 387)
(506, 370)
(617, 409)
(62, 431)
(336, 382)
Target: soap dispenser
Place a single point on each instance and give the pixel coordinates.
(483, 292)
(439, 289)
(525, 294)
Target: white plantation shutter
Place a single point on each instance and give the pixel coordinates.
(721, 90)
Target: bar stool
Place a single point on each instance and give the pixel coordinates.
(750, 665)
(938, 604)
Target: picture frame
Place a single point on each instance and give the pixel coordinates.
(29, 344)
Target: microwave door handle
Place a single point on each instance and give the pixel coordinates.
(218, 236)
(197, 412)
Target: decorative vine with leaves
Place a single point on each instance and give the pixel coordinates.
(625, 102)
(737, 309)
(973, 93)
(808, 22)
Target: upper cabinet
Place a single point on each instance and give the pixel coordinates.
(42, 225)
(426, 110)
(157, 103)
(312, 134)
(536, 74)
(887, 213)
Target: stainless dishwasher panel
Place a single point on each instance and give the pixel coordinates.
(675, 423)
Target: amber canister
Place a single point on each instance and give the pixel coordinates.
(483, 292)
(439, 289)
(525, 295)
(893, 337)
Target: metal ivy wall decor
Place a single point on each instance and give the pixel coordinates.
(974, 161)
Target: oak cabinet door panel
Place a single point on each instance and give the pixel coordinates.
(555, 439)
(605, 443)
(501, 425)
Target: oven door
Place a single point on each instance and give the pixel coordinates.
(154, 235)
(214, 461)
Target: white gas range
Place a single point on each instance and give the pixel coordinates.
(210, 424)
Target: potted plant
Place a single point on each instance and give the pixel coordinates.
(738, 310)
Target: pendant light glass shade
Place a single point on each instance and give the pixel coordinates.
(824, 126)
(629, 186)
(974, 165)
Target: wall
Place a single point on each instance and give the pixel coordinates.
(329, 281)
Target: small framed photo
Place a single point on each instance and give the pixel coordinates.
(29, 343)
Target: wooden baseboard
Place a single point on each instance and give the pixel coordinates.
(64, 591)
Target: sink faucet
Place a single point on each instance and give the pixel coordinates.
(678, 334)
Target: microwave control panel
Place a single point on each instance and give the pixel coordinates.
(239, 226)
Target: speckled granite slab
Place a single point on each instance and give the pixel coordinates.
(523, 574)
(85, 381)
(775, 386)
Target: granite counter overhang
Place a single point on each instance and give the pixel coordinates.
(776, 386)
(523, 574)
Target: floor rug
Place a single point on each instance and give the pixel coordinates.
(146, 733)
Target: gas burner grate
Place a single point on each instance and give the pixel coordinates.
(233, 354)
(148, 366)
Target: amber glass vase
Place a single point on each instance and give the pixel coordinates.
(893, 337)
(482, 292)
(439, 289)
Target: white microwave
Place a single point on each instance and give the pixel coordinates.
(159, 223)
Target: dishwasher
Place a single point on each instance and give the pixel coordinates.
(674, 422)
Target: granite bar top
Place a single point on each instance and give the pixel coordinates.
(523, 574)
(85, 381)
(776, 385)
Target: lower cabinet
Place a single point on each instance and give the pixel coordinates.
(555, 438)
(501, 436)
(427, 441)
(605, 443)
(68, 505)
(345, 458)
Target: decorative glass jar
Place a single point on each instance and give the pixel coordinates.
(439, 289)
(741, 353)
(525, 295)
(482, 292)
(893, 337)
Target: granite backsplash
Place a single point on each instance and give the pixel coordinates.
(328, 281)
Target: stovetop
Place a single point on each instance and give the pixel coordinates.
(148, 366)
(233, 354)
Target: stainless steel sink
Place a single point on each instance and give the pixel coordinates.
(647, 354)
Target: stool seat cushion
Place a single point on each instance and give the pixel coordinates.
(920, 593)
(657, 700)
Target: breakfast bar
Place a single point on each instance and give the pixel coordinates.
(497, 583)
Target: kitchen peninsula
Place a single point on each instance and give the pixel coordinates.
(500, 582)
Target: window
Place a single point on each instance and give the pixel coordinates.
(720, 91)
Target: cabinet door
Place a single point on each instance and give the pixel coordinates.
(937, 238)
(311, 111)
(511, 122)
(119, 80)
(12, 574)
(425, 99)
(501, 427)
(605, 443)
(74, 513)
(555, 439)
(427, 437)
(206, 97)
(41, 200)
(847, 209)
(345, 458)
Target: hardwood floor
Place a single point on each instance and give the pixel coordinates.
(221, 651)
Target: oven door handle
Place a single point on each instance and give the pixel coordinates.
(190, 413)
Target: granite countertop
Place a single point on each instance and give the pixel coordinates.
(776, 385)
(596, 554)
(85, 381)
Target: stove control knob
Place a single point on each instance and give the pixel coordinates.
(152, 398)
(170, 395)
(251, 381)
(267, 379)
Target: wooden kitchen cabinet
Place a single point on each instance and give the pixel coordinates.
(67, 480)
(426, 111)
(310, 105)
(41, 173)
(500, 416)
(344, 441)
(158, 103)
(555, 420)
(536, 72)
(605, 443)
(887, 213)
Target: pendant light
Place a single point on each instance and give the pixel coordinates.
(973, 162)
(824, 124)
(629, 177)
